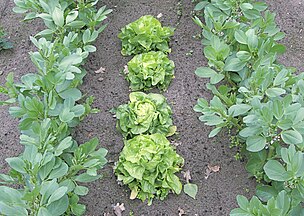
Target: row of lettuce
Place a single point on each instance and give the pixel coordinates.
(148, 162)
(49, 172)
(259, 101)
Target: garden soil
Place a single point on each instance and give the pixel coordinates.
(217, 194)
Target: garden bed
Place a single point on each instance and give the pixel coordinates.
(216, 194)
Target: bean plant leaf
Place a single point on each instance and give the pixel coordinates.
(292, 137)
(234, 64)
(7, 209)
(43, 212)
(71, 16)
(265, 192)
(72, 93)
(275, 171)
(60, 192)
(255, 143)
(59, 207)
(81, 190)
(242, 202)
(58, 17)
(201, 5)
(86, 178)
(240, 36)
(214, 132)
(275, 92)
(239, 109)
(17, 164)
(204, 72)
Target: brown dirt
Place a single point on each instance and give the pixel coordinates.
(217, 194)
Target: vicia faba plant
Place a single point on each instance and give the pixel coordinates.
(150, 70)
(48, 104)
(145, 114)
(279, 205)
(144, 35)
(259, 101)
(50, 178)
(147, 164)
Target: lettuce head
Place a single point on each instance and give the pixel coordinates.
(144, 35)
(150, 70)
(147, 164)
(145, 114)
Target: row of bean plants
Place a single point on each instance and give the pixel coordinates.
(148, 162)
(256, 99)
(49, 172)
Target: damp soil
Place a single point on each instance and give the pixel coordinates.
(217, 194)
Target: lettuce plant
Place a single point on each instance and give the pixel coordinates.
(149, 70)
(144, 35)
(145, 114)
(147, 164)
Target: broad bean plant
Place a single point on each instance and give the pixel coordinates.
(256, 99)
(48, 104)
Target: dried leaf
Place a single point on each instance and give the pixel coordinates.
(207, 173)
(214, 168)
(211, 169)
(187, 175)
(181, 212)
(118, 209)
(101, 70)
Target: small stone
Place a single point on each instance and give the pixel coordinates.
(126, 70)
(159, 15)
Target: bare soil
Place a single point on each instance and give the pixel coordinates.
(216, 194)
